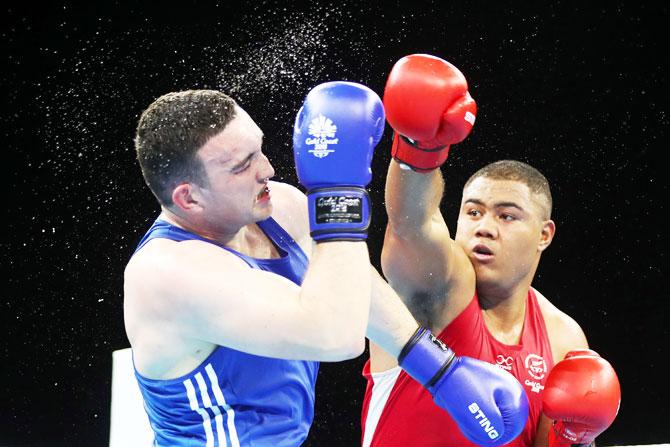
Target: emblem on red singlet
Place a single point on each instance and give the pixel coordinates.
(536, 366)
(505, 362)
(537, 369)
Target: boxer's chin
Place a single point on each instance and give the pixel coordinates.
(486, 277)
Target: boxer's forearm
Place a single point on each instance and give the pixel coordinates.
(390, 324)
(412, 199)
(336, 288)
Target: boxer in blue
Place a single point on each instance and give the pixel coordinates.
(242, 284)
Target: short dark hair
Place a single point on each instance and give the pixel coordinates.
(521, 172)
(172, 130)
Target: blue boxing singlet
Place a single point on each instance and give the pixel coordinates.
(234, 398)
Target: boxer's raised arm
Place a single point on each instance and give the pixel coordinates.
(429, 107)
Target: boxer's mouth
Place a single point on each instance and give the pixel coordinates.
(482, 253)
(482, 249)
(263, 194)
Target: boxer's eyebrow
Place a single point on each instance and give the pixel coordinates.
(507, 205)
(496, 205)
(243, 162)
(223, 159)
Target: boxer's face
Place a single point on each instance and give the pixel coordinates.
(237, 173)
(501, 228)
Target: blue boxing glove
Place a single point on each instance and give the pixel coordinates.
(488, 404)
(335, 133)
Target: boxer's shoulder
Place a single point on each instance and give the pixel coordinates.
(162, 253)
(565, 334)
(163, 265)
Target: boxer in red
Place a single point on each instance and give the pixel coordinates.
(474, 290)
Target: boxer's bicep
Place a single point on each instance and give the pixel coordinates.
(432, 266)
(419, 262)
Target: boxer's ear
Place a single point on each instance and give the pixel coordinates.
(186, 197)
(547, 234)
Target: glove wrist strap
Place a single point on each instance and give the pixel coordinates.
(410, 155)
(340, 213)
(426, 358)
(415, 145)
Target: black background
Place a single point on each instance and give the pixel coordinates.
(577, 90)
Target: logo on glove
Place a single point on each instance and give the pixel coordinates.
(438, 343)
(339, 209)
(483, 420)
(323, 130)
(469, 117)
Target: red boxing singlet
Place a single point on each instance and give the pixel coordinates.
(399, 412)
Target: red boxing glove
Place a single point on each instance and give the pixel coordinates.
(428, 106)
(582, 396)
